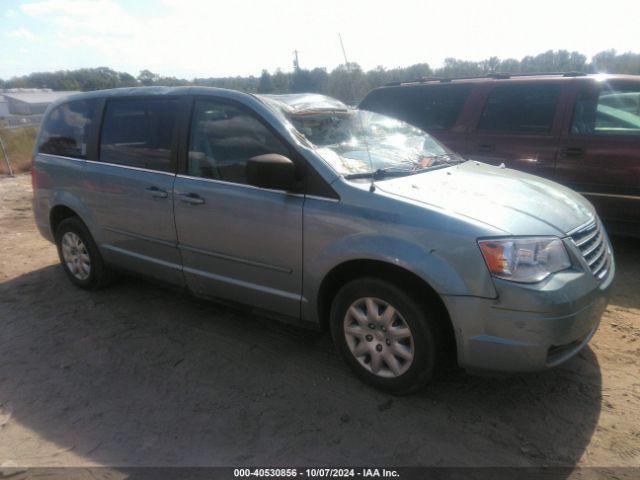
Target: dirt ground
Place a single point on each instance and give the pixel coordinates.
(141, 375)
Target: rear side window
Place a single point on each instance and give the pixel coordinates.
(613, 109)
(432, 107)
(224, 137)
(520, 109)
(66, 129)
(139, 133)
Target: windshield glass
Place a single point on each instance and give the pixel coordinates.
(346, 137)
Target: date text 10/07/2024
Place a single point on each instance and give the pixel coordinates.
(315, 472)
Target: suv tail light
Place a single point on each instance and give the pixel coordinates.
(39, 178)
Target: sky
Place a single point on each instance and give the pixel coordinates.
(212, 38)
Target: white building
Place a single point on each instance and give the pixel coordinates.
(29, 101)
(4, 107)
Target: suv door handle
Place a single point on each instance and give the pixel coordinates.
(485, 147)
(156, 192)
(573, 152)
(191, 198)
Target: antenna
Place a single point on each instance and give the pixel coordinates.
(344, 54)
(347, 65)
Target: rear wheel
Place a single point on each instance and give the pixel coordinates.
(79, 255)
(390, 340)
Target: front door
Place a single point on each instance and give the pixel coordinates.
(238, 242)
(600, 151)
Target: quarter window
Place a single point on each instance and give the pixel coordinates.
(139, 133)
(66, 129)
(520, 109)
(223, 137)
(612, 110)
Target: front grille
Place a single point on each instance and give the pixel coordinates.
(591, 242)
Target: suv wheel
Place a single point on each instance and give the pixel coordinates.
(389, 340)
(79, 255)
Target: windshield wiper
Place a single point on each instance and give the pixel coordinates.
(381, 173)
(392, 172)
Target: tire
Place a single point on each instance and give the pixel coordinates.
(97, 275)
(427, 339)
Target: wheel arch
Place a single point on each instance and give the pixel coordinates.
(65, 204)
(349, 270)
(59, 213)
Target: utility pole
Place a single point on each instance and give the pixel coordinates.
(296, 63)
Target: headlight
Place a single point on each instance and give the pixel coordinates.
(525, 260)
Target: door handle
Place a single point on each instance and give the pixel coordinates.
(191, 198)
(485, 147)
(156, 192)
(572, 152)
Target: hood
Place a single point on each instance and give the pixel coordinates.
(515, 202)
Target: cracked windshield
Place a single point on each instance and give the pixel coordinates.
(358, 143)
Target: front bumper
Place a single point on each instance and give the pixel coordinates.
(529, 327)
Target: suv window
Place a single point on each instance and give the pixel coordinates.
(223, 137)
(432, 107)
(520, 109)
(66, 129)
(610, 110)
(139, 133)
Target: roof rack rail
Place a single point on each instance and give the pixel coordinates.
(550, 74)
(417, 80)
(499, 76)
(494, 75)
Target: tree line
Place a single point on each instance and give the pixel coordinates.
(348, 82)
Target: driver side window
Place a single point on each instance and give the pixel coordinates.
(223, 137)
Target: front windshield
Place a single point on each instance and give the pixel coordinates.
(357, 142)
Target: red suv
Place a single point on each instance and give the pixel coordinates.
(579, 130)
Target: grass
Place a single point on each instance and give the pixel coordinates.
(18, 143)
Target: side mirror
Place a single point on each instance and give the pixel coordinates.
(271, 171)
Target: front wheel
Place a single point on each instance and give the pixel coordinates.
(391, 341)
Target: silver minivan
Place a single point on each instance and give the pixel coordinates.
(306, 209)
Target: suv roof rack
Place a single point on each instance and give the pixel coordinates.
(494, 75)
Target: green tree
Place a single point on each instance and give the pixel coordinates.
(378, 76)
(301, 81)
(348, 83)
(459, 68)
(319, 80)
(510, 65)
(416, 72)
(490, 65)
(610, 62)
(281, 82)
(171, 82)
(147, 77)
(126, 80)
(265, 84)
